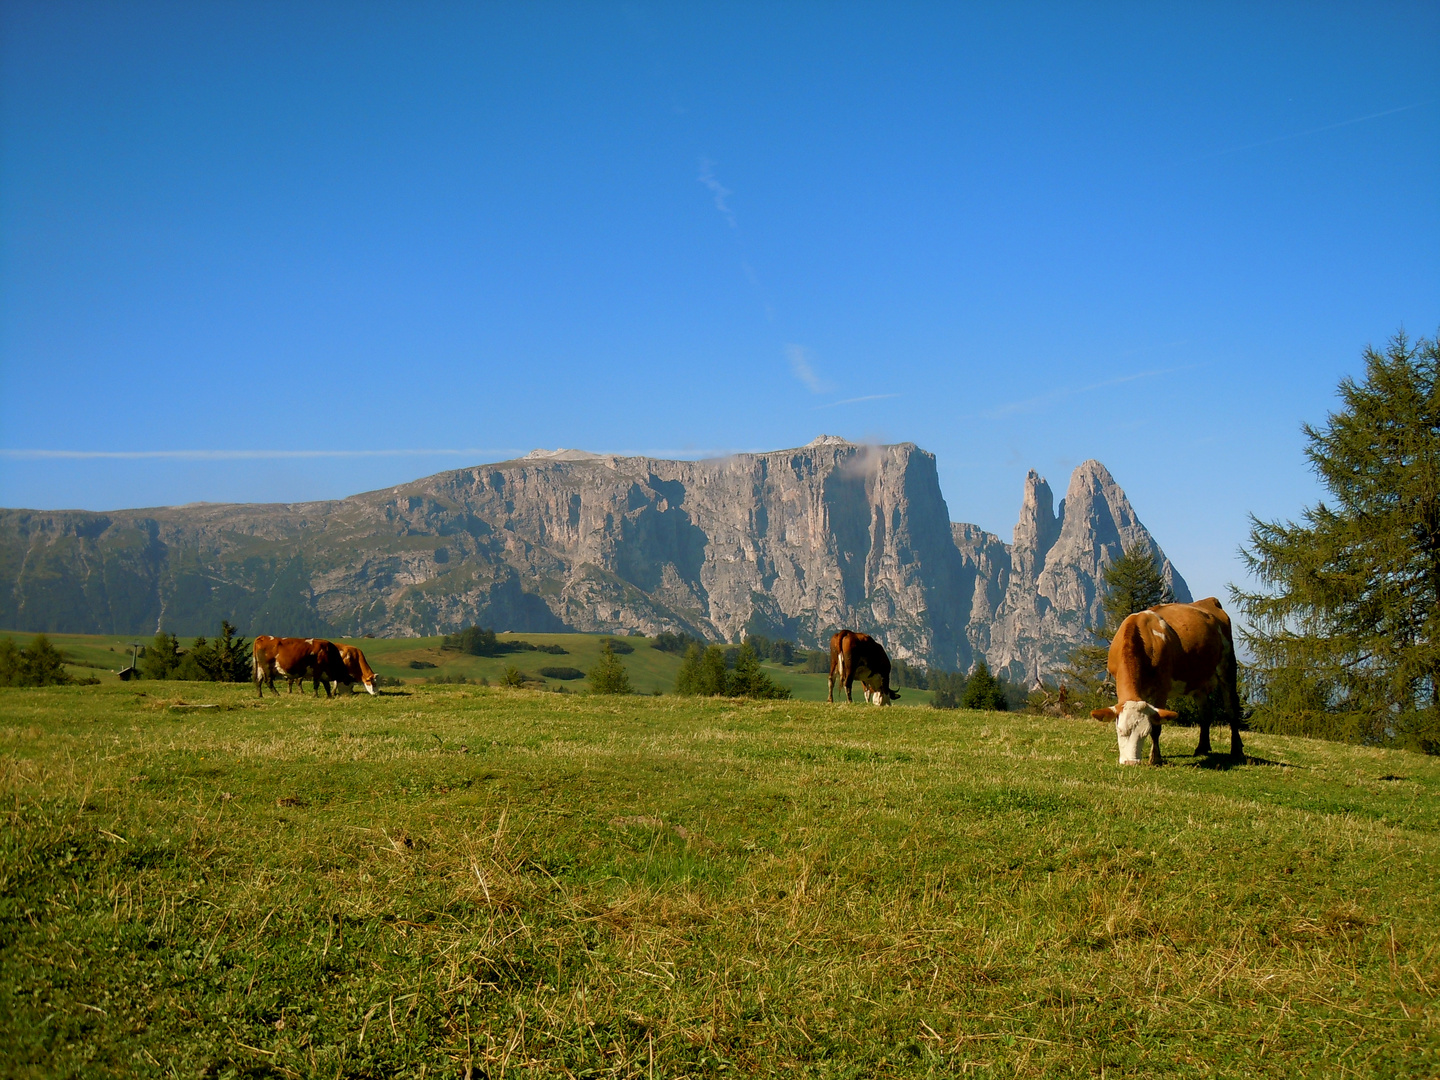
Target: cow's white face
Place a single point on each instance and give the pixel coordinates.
(1132, 724)
(370, 686)
(880, 696)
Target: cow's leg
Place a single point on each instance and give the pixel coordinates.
(1203, 747)
(1155, 745)
(1236, 749)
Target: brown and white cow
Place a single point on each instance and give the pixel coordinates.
(1183, 649)
(859, 656)
(293, 659)
(357, 668)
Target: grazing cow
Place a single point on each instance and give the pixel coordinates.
(357, 669)
(859, 656)
(293, 659)
(1171, 648)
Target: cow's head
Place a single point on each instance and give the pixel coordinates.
(881, 695)
(1133, 722)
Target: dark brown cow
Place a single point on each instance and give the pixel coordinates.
(859, 656)
(1171, 649)
(357, 669)
(294, 659)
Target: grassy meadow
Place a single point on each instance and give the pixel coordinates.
(449, 881)
(416, 659)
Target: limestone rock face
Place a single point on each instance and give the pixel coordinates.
(1041, 601)
(795, 542)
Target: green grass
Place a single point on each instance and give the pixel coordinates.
(529, 884)
(650, 670)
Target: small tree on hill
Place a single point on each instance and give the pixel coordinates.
(37, 664)
(983, 690)
(1345, 630)
(162, 656)
(608, 676)
(750, 680)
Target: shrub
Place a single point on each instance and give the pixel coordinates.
(513, 676)
(678, 644)
(421, 665)
(609, 676)
(620, 648)
(562, 673)
(553, 650)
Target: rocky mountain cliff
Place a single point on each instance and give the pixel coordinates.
(793, 543)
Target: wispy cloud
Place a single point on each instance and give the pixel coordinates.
(1310, 131)
(804, 369)
(856, 400)
(236, 455)
(1035, 403)
(718, 190)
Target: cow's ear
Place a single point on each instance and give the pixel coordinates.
(1167, 714)
(1104, 714)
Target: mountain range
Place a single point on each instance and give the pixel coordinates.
(792, 543)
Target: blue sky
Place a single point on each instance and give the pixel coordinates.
(288, 250)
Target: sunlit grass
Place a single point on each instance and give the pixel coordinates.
(539, 884)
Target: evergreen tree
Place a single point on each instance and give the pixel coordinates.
(983, 690)
(688, 680)
(162, 656)
(608, 676)
(714, 673)
(1132, 583)
(750, 680)
(37, 664)
(1345, 630)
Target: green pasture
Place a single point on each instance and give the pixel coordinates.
(449, 881)
(650, 670)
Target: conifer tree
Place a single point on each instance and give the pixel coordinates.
(983, 690)
(608, 676)
(1345, 629)
(1132, 583)
(688, 680)
(714, 672)
(750, 680)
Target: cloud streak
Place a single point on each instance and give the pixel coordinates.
(804, 369)
(1035, 403)
(857, 400)
(232, 455)
(1310, 131)
(718, 190)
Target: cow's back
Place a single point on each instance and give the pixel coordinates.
(1204, 636)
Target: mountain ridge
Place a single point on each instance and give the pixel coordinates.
(792, 542)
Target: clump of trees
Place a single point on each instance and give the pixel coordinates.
(36, 664)
(1344, 630)
(677, 643)
(479, 641)
(706, 674)
(777, 651)
(225, 659)
(609, 676)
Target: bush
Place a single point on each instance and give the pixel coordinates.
(421, 665)
(678, 644)
(226, 659)
(38, 664)
(442, 680)
(620, 648)
(513, 676)
(609, 676)
(553, 650)
(568, 673)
